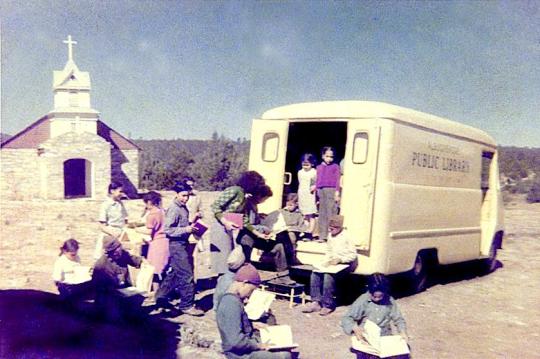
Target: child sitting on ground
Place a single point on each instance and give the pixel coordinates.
(71, 278)
(377, 306)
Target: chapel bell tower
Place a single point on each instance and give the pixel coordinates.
(72, 110)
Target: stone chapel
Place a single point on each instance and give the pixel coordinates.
(70, 152)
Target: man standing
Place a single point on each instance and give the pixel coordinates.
(179, 276)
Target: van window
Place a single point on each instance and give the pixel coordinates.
(360, 147)
(270, 147)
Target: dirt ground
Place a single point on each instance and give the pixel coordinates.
(462, 315)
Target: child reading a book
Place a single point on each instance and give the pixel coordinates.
(71, 278)
(237, 334)
(340, 259)
(376, 306)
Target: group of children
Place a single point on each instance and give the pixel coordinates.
(319, 189)
(168, 233)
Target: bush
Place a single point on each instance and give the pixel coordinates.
(534, 193)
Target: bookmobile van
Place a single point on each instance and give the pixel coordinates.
(417, 190)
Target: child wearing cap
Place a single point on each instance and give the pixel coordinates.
(234, 326)
(110, 274)
(224, 281)
(340, 250)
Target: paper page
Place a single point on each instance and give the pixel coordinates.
(335, 268)
(363, 346)
(259, 302)
(278, 336)
(129, 291)
(372, 333)
(81, 274)
(391, 345)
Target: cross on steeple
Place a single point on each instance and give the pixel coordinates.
(70, 44)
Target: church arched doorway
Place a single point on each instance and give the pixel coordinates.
(77, 178)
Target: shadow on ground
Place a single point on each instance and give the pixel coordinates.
(350, 288)
(36, 324)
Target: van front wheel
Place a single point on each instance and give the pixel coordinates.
(419, 274)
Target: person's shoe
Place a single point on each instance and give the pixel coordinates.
(285, 280)
(320, 240)
(195, 312)
(325, 311)
(311, 307)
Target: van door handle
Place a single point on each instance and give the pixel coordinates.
(288, 178)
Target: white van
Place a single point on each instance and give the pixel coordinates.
(417, 189)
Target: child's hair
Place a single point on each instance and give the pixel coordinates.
(181, 187)
(328, 148)
(292, 197)
(377, 282)
(308, 157)
(152, 197)
(114, 185)
(71, 245)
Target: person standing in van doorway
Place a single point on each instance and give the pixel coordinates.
(327, 185)
(307, 203)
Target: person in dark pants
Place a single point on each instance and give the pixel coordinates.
(179, 275)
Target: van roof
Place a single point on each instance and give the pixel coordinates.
(372, 109)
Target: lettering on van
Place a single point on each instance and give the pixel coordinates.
(441, 163)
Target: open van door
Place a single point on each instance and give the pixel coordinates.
(358, 181)
(267, 156)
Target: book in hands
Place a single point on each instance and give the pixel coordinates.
(324, 267)
(259, 303)
(199, 228)
(278, 337)
(81, 274)
(236, 218)
(275, 222)
(129, 291)
(133, 237)
(382, 346)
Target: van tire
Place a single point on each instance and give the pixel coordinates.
(418, 275)
(490, 263)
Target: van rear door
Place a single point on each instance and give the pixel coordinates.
(358, 181)
(267, 156)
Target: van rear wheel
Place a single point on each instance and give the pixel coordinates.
(490, 263)
(419, 274)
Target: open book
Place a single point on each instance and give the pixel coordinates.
(382, 346)
(259, 302)
(278, 337)
(275, 222)
(332, 268)
(81, 274)
(129, 291)
(133, 237)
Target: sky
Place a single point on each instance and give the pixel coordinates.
(184, 69)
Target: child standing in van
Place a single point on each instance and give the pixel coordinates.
(327, 185)
(307, 178)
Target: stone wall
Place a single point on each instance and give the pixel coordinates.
(70, 146)
(125, 169)
(19, 174)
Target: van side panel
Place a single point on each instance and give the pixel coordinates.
(436, 197)
(267, 156)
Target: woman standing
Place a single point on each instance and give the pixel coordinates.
(224, 231)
